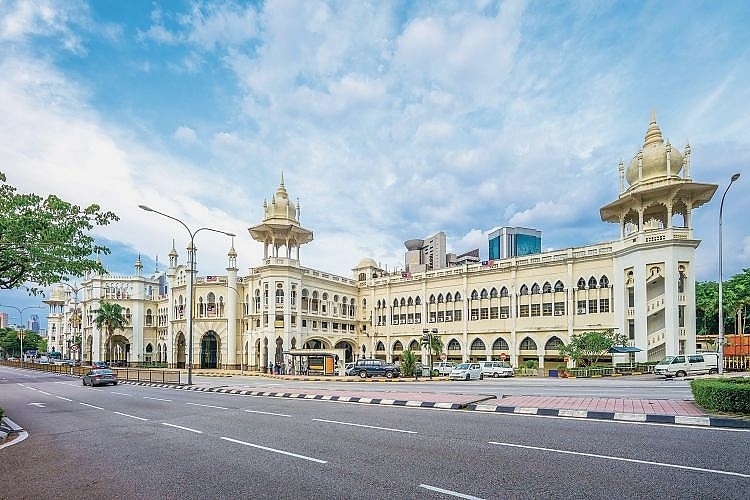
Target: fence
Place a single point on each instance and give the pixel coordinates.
(130, 374)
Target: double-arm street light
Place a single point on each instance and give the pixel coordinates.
(721, 279)
(20, 318)
(76, 318)
(191, 270)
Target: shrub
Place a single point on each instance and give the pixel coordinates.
(730, 395)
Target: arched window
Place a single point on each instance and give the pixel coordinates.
(524, 290)
(553, 344)
(448, 297)
(592, 282)
(403, 302)
(453, 345)
(604, 282)
(500, 345)
(279, 295)
(478, 345)
(398, 346)
(380, 346)
(414, 346)
(395, 302)
(440, 298)
(432, 299)
(484, 293)
(410, 302)
(474, 295)
(503, 292)
(527, 344)
(547, 288)
(535, 288)
(418, 301)
(457, 297)
(493, 293)
(149, 317)
(581, 284)
(559, 287)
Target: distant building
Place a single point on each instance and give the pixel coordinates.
(471, 257)
(33, 323)
(3, 320)
(426, 255)
(507, 242)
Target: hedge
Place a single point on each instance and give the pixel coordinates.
(730, 395)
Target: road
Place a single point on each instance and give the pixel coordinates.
(146, 442)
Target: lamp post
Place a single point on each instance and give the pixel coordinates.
(191, 270)
(721, 279)
(23, 327)
(76, 319)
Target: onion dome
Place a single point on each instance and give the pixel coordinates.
(656, 159)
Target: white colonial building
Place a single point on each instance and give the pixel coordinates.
(521, 308)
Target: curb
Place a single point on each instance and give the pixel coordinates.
(702, 421)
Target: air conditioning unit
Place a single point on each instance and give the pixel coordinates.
(581, 310)
(503, 316)
(559, 313)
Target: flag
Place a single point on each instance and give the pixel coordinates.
(211, 278)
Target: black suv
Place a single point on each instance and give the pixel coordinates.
(368, 367)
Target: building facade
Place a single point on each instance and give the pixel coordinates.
(520, 308)
(507, 242)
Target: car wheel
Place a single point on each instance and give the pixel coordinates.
(680, 373)
(114, 383)
(363, 374)
(481, 376)
(496, 375)
(388, 374)
(468, 377)
(84, 381)
(713, 371)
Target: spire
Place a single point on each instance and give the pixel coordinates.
(653, 134)
(138, 265)
(156, 266)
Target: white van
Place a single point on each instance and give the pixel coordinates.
(496, 369)
(688, 364)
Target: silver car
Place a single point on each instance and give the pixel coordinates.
(100, 376)
(467, 371)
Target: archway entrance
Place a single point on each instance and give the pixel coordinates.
(209, 351)
(348, 349)
(118, 350)
(179, 358)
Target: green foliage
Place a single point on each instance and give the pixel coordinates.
(45, 240)
(408, 363)
(531, 363)
(436, 344)
(586, 348)
(735, 301)
(730, 395)
(11, 342)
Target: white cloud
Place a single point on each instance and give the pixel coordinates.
(185, 135)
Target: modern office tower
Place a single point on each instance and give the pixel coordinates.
(427, 254)
(506, 242)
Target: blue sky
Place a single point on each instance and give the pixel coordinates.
(389, 120)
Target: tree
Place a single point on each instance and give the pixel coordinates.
(10, 341)
(586, 348)
(436, 345)
(706, 307)
(408, 363)
(46, 240)
(110, 318)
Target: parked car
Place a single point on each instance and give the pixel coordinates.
(100, 376)
(99, 364)
(366, 368)
(442, 367)
(689, 364)
(349, 369)
(467, 371)
(496, 369)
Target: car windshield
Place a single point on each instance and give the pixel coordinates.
(463, 366)
(666, 360)
(102, 372)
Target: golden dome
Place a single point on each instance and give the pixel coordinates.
(653, 158)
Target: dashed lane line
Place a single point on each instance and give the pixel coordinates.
(183, 428)
(130, 416)
(91, 406)
(274, 450)
(268, 413)
(363, 425)
(158, 399)
(448, 492)
(208, 406)
(623, 459)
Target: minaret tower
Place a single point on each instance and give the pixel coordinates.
(654, 271)
(233, 296)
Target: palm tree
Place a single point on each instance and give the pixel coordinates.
(110, 317)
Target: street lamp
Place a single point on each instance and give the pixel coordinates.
(721, 279)
(427, 336)
(76, 319)
(191, 270)
(23, 327)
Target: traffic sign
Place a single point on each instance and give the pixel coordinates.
(74, 348)
(503, 357)
(443, 356)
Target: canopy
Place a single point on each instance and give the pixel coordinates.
(623, 349)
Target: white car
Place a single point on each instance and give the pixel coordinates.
(496, 369)
(467, 371)
(443, 367)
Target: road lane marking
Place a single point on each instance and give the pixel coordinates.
(268, 413)
(448, 492)
(120, 393)
(622, 459)
(65, 399)
(274, 450)
(129, 416)
(158, 399)
(91, 406)
(45, 393)
(208, 406)
(363, 425)
(183, 428)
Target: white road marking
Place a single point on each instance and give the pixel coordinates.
(363, 425)
(129, 416)
(622, 459)
(448, 492)
(183, 428)
(268, 413)
(120, 393)
(208, 406)
(45, 393)
(273, 450)
(38, 405)
(65, 399)
(158, 399)
(91, 406)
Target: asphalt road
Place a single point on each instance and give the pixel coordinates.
(144, 442)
